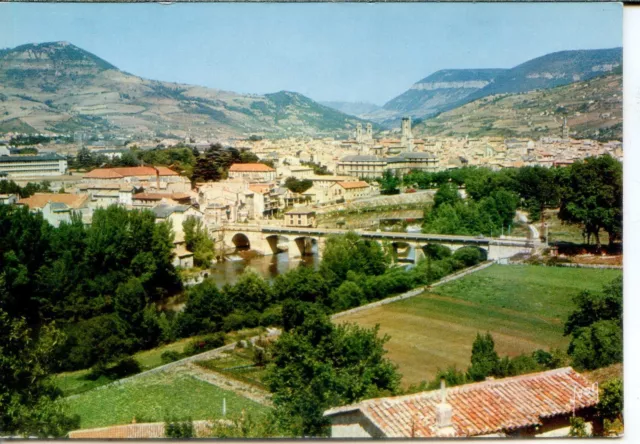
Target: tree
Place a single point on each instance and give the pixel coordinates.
(611, 399)
(250, 292)
(389, 183)
(592, 196)
(595, 327)
(198, 241)
(537, 188)
(298, 186)
(346, 296)
(447, 194)
(484, 359)
(300, 284)
(204, 311)
(318, 365)
(27, 395)
(349, 252)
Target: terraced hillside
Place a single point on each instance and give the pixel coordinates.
(593, 109)
(61, 88)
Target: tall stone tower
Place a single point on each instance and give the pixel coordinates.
(565, 129)
(369, 132)
(407, 137)
(359, 132)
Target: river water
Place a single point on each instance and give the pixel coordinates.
(268, 267)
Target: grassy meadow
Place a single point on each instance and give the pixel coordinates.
(524, 308)
(155, 398)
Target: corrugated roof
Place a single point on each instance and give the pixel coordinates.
(481, 408)
(250, 168)
(39, 200)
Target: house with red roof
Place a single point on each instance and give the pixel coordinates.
(151, 178)
(255, 172)
(537, 404)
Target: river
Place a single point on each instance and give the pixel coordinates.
(268, 267)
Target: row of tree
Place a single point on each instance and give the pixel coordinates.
(589, 193)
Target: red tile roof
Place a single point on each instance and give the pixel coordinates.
(39, 200)
(135, 431)
(356, 184)
(117, 173)
(250, 168)
(481, 408)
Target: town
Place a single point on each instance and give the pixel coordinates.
(179, 260)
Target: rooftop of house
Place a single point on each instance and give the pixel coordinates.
(481, 408)
(118, 173)
(164, 211)
(39, 200)
(355, 184)
(250, 168)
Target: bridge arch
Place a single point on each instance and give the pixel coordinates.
(241, 241)
(303, 246)
(402, 251)
(277, 243)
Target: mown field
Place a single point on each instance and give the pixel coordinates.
(524, 308)
(158, 397)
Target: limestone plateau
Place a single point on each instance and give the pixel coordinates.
(447, 89)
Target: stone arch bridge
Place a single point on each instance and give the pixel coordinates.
(298, 242)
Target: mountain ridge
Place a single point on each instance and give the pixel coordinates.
(59, 87)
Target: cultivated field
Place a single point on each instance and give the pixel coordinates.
(158, 397)
(524, 308)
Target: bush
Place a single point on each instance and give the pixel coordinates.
(123, 368)
(271, 316)
(170, 356)
(469, 255)
(204, 344)
(179, 429)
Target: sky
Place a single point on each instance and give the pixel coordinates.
(357, 52)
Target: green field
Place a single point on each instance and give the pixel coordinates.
(237, 364)
(155, 398)
(524, 308)
(73, 383)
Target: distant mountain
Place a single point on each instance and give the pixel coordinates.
(431, 94)
(593, 109)
(447, 89)
(61, 88)
(352, 108)
(551, 70)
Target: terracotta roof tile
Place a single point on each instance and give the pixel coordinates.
(250, 168)
(118, 173)
(39, 200)
(356, 184)
(482, 408)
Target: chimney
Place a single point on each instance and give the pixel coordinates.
(444, 412)
(157, 178)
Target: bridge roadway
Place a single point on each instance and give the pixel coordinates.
(396, 236)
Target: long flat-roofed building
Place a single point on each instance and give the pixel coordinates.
(33, 166)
